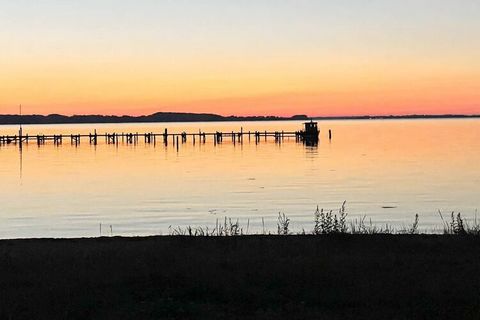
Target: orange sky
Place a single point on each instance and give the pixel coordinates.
(252, 59)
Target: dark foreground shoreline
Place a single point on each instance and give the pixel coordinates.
(267, 277)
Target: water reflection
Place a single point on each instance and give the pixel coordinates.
(20, 152)
(67, 190)
(311, 150)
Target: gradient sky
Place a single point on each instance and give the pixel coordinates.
(251, 57)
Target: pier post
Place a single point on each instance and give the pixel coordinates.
(20, 134)
(150, 137)
(57, 140)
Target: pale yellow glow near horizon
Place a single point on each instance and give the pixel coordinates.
(284, 88)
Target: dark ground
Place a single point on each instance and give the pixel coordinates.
(268, 277)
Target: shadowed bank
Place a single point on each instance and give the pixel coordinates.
(327, 277)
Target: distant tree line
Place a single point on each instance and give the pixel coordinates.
(156, 117)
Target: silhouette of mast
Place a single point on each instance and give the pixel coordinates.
(20, 123)
(20, 133)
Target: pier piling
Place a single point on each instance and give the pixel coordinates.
(150, 137)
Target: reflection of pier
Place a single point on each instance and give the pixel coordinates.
(309, 136)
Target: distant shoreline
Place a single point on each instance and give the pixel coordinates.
(409, 116)
(155, 117)
(159, 117)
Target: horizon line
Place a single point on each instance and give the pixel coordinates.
(252, 116)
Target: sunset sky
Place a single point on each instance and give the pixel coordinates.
(250, 57)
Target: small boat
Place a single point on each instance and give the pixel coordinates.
(311, 132)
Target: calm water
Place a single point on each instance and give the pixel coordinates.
(388, 170)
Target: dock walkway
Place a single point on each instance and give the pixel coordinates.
(149, 137)
(309, 135)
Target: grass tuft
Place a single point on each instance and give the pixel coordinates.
(328, 222)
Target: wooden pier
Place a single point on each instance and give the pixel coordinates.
(308, 136)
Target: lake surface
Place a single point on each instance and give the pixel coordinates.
(388, 170)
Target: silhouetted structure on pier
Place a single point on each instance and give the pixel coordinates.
(310, 134)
